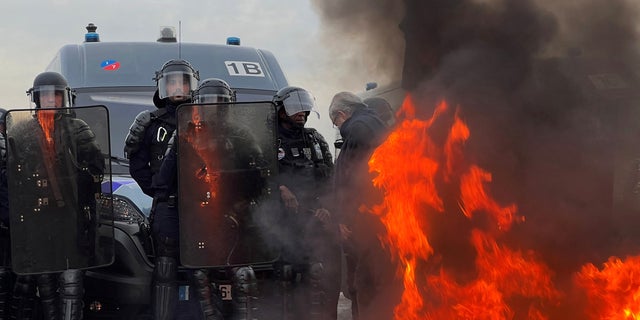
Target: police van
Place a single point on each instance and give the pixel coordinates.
(119, 75)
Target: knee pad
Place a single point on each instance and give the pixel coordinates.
(25, 286)
(166, 270)
(201, 278)
(71, 284)
(47, 286)
(245, 280)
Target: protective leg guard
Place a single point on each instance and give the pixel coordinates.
(5, 290)
(244, 292)
(165, 291)
(48, 287)
(316, 291)
(71, 294)
(24, 293)
(203, 289)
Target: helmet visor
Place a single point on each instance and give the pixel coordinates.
(212, 98)
(50, 96)
(299, 101)
(176, 84)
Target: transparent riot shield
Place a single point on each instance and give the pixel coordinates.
(59, 182)
(226, 159)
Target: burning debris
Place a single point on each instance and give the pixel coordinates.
(522, 201)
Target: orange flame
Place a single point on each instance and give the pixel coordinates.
(46, 119)
(415, 183)
(475, 198)
(502, 274)
(614, 291)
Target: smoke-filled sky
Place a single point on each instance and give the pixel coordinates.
(550, 92)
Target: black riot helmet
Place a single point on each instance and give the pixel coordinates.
(295, 100)
(173, 77)
(47, 88)
(3, 112)
(214, 90)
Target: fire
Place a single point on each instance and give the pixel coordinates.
(614, 291)
(416, 184)
(476, 199)
(411, 193)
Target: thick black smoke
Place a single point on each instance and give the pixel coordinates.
(550, 93)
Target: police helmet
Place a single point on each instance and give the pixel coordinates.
(176, 71)
(213, 90)
(47, 87)
(295, 100)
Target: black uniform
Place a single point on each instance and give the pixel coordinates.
(73, 154)
(153, 167)
(310, 251)
(5, 246)
(145, 147)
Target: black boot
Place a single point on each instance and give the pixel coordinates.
(204, 291)
(71, 295)
(48, 287)
(23, 298)
(165, 291)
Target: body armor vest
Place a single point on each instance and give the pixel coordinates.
(163, 126)
(304, 156)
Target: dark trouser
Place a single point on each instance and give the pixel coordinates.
(24, 293)
(165, 230)
(5, 290)
(6, 275)
(371, 274)
(332, 279)
(22, 301)
(352, 263)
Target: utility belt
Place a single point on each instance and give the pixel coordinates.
(171, 200)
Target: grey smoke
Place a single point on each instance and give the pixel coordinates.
(548, 89)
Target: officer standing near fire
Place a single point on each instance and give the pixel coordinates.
(146, 146)
(312, 261)
(61, 294)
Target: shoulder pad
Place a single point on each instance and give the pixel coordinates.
(136, 133)
(81, 131)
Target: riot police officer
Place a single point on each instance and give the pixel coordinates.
(5, 254)
(146, 147)
(242, 156)
(311, 263)
(62, 298)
